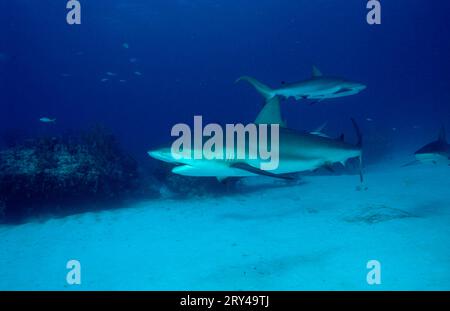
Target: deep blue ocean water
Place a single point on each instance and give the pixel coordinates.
(191, 52)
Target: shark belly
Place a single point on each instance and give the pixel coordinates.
(432, 158)
(295, 166)
(212, 169)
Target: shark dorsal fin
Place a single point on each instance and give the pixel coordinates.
(442, 137)
(271, 113)
(316, 72)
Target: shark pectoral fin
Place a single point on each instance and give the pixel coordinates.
(257, 171)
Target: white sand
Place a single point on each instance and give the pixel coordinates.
(316, 235)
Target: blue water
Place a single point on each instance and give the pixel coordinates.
(189, 54)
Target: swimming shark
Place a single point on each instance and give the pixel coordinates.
(436, 152)
(317, 88)
(298, 152)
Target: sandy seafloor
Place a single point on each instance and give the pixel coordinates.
(317, 234)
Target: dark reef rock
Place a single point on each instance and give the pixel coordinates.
(61, 170)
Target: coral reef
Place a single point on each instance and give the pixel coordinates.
(64, 169)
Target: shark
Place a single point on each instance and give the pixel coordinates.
(436, 152)
(316, 89)
(298, 152)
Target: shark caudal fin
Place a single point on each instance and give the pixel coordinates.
(359, 145)
(263, 89)
(271, 113)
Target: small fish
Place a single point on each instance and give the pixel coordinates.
(138, 73)
(394, 129)
(112, 74)
(123, 81)
(104, 80)
(369, 119)
(133, 60)
(66, 75)
(125, 45)
(47, 120)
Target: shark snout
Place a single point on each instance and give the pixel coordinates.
(162, 155)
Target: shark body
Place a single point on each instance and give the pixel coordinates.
(317, 88)
(436, 152)
(298, 152)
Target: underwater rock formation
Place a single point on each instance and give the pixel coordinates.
(63, 170)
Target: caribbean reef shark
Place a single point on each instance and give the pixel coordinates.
(298, 152)
(436, 152)
(317, 88)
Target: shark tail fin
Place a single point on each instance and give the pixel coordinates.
(442, 137)
(358, 133)
(265, 91)
(359, 145)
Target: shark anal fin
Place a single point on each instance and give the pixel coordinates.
(257, 171)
